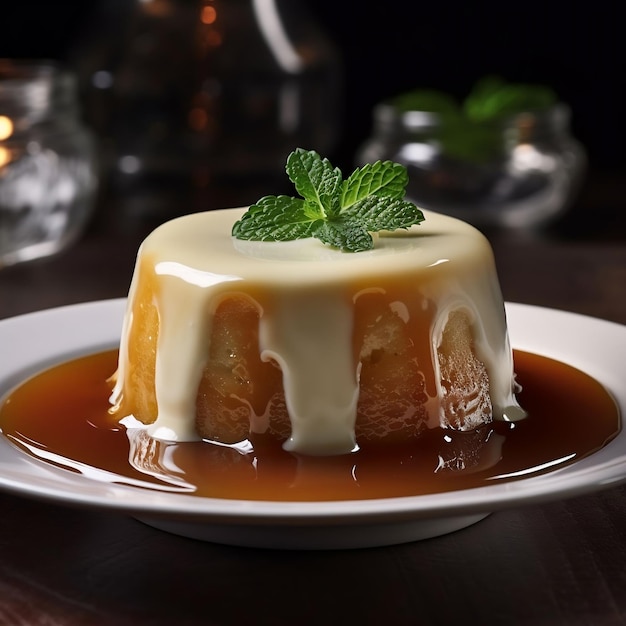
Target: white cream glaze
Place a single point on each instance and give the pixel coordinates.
(305, 293)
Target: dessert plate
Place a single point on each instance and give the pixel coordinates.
(37, 340)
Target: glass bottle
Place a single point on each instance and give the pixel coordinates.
(520, 171)
(48, 172)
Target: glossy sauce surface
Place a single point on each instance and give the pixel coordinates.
(61, 417)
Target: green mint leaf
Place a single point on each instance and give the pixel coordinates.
(492, 98)
(315, 179)
(346, 234)
(380, 179)
(278, 218)
(342, 214)
(377, 213)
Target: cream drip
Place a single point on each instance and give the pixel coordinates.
(321, 393)
(305, 290)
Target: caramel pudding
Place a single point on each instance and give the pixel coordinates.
(318, 349)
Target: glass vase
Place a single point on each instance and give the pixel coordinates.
(48, 172)
(521, 171)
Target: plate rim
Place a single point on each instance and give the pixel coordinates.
(602, 470)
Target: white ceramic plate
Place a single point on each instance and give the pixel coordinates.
(34, 341)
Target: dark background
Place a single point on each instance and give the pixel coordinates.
(577, 48)
(394, 45)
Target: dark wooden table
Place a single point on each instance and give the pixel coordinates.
(560, 563)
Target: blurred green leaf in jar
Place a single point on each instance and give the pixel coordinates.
(493, 98)
(503, 155)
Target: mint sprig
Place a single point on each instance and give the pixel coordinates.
(341, 213)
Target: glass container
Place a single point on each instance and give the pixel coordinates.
(47, 162)
(521, 171)
(206, 95)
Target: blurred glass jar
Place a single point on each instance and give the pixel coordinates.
(47, 165)
(205, 95)
(520, 171)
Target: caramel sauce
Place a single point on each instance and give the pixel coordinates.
(61, 417)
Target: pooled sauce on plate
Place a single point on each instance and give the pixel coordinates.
(61, 416)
